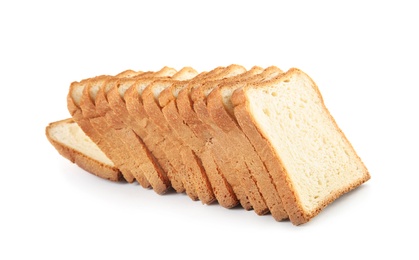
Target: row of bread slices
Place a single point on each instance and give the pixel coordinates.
(180, 129)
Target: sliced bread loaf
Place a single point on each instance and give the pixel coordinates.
(309, 158)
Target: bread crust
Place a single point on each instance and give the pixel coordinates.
(203, 186)
(92, 110)
(138, 154)
(276, 168)
(171, 143)
(223, 191)
(74, 107)
(87, 163)
(224, 151)
(231, 132)
(148, 131)
(167, 101)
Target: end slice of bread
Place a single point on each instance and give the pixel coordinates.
(310, 159)
(72, 143)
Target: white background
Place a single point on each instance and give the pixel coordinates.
(363, 55)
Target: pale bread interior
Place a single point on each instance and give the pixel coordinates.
(317, 157)
(71, 135)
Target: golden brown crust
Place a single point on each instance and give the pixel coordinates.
(168, 105)
(129, 74)
(203, 185)
(88, 119)
(171, 144)
(119, 118)
(131, 150)
(222, 189)
(147, 130)
(263, 149)
(223, 160)
(230, 132)
(83, 161)
(230, 167)
(140, 156)
(171, 92)
(77, 115)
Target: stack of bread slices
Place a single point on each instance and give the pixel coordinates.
(259, 138)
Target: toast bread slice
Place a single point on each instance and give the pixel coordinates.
(171, 144)
(121, 120)
(220, 109)
(174, 125)
(221, 188)
(128, 101)
(148, 131)
(132, 151)
(311, 161)
(73, 144)
(74, 101)
(224, 152)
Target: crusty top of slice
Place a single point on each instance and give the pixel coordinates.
(201, 92)
(128, 74)
(160, 84)
(72, 143)
(186, 73)
(226, 90)
(172, 92)
(70, 134)
(183, 100)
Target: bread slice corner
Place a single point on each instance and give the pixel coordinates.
(73, 144)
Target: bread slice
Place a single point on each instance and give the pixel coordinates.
(74, 100)
(171, 144)
(126, 101)
(125, 140)
(148, 131)
(72, 143)
(229, 132)
(222, 189)
(122, 121)
(101, 136)
(133, 153)
(309, 158)
(224, 151)
(194, 168)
